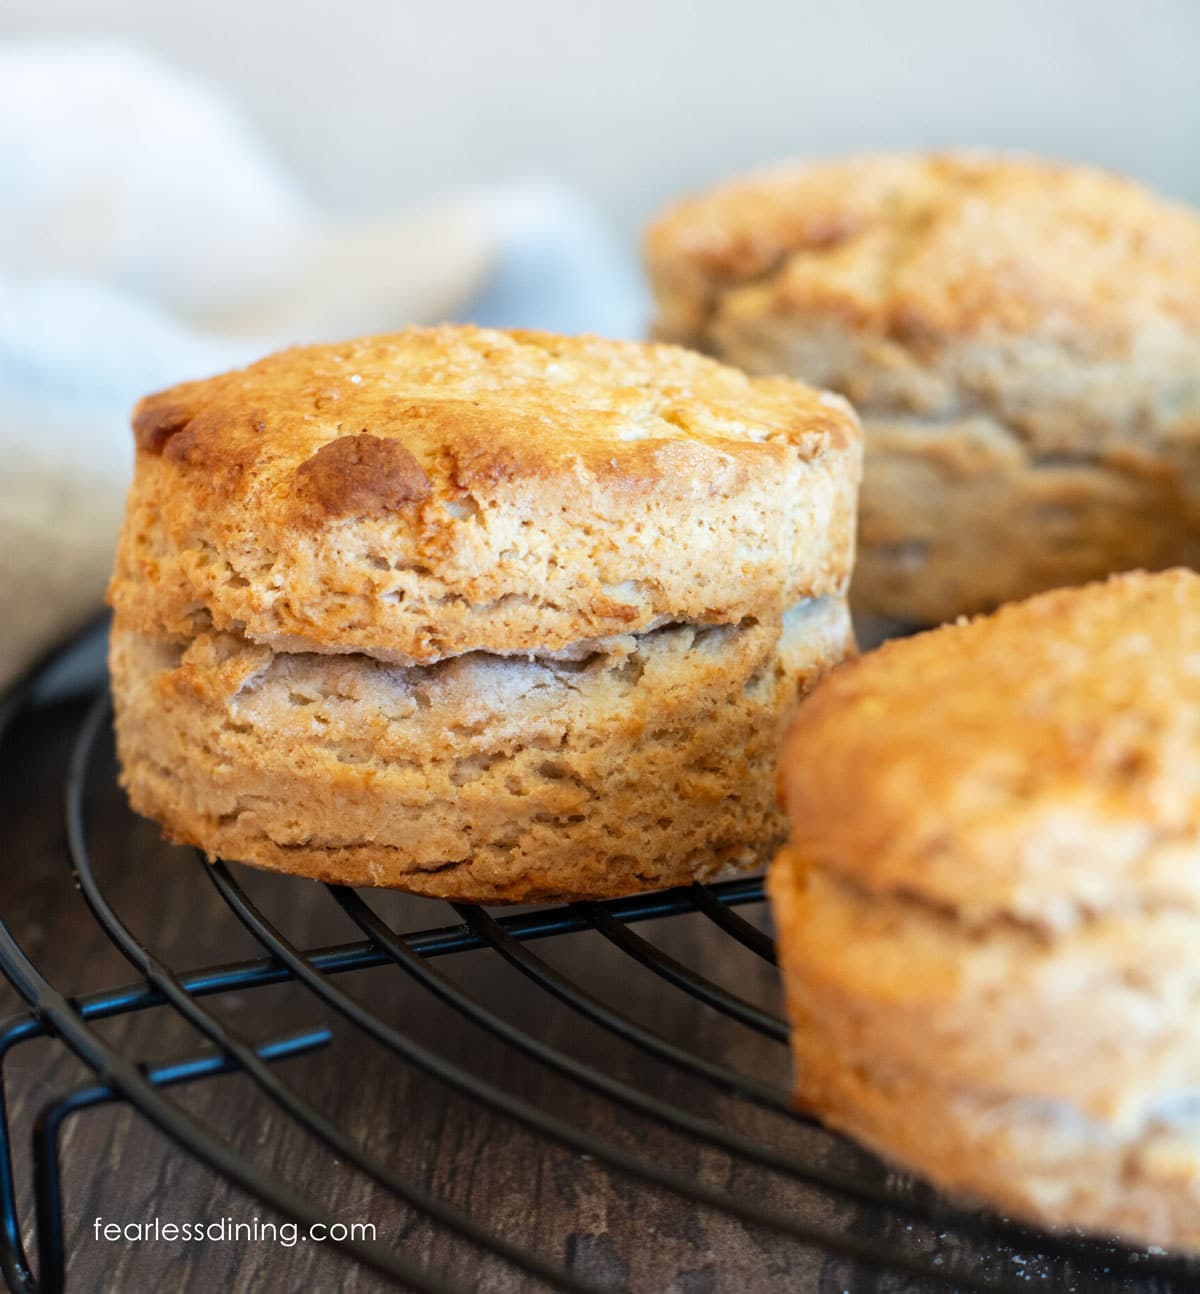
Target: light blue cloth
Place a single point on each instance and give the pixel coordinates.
(147, 236)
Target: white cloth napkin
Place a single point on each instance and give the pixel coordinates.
(147, 236)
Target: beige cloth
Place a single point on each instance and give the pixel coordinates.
(147, 236)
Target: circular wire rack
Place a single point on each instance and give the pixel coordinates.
(871, 1228)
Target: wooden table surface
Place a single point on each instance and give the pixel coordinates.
(599, 1223)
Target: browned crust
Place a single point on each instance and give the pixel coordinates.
(476, 408)
(931, 247)
(450, 489)
(1035, 764)
(156, 421)
(362, 475)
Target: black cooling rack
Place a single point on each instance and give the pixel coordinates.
(886, 1231)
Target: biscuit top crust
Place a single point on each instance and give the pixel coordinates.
(928, 247)
(1039, 765)
(469, 407)
(384, 494)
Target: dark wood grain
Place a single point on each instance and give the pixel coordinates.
(599, 1223)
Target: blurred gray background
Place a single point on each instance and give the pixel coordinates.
(377, 104)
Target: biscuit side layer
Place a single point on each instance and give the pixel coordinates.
(480, 778)
(999, 467)
(442, 491)
(534, 575)
(1053, 1078)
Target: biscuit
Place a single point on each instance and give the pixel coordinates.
(447, 490)
(1021, 340)
(481, 778)
(485, 616)
(988, 909)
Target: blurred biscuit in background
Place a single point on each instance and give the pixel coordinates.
(1021, 340)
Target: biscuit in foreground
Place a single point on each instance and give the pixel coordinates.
(988, 910)
(480, 615)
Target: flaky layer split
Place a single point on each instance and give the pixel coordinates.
(480, 778)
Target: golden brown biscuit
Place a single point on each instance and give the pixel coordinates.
(988, 909)
(446, 490)
(1021, 339)
(480, 615)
